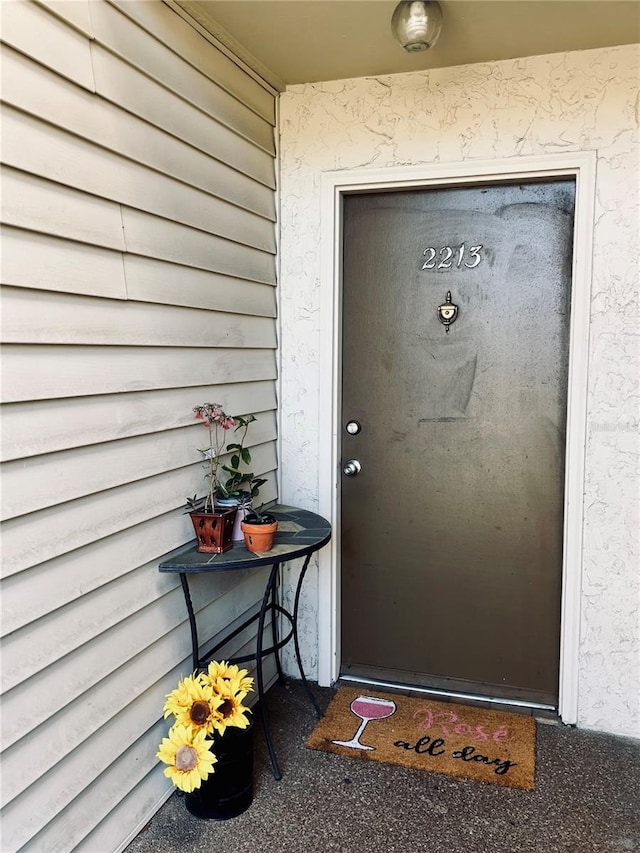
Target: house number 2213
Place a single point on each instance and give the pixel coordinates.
(447, 257)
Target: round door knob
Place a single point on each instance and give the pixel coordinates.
(352, 467)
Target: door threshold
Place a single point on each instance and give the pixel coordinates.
(548, 712)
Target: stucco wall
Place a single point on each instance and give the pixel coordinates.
(564, 102)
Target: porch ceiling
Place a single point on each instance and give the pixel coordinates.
(304, 41)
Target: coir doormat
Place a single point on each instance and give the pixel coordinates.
(491, 746)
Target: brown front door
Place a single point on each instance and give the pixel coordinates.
(452, 526)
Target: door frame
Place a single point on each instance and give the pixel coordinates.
(580, 165)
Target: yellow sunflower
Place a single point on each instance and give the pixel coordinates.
(230, 711)
(193, 704)
(228, 672)
(188, 755)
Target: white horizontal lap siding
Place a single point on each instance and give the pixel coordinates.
(38, 148)
(77, 523)
(41, 93)
(174, 284)
(57, 46)
(79, 421)
(47, 371)
(32, 204)
(138, 273)
(95, 623)
(125, 39)
(160, 107)
(43, 481)
(64, 579)
(186, 42)
(35, 260)
(30, 316)
(62, 784)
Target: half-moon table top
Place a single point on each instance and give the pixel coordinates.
(300, 532)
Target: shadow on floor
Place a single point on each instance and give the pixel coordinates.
(586, 800)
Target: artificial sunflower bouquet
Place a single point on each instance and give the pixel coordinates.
(204, 705)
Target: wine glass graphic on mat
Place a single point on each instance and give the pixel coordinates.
(367, 708)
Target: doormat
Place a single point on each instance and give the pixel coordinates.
(489, 746)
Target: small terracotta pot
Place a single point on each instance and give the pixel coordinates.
(258, 537)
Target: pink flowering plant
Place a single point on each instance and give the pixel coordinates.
(235, 482)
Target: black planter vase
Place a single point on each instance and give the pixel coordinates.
(229, 789)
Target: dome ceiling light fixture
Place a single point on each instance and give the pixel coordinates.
(416, 24)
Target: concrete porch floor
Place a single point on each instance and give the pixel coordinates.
(586, 800)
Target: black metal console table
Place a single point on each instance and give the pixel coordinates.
(300, 534)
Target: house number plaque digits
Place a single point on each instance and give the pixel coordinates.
(447, 257)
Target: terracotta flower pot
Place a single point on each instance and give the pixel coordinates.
(213, 530)
(259, 537)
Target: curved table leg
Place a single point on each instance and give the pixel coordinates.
(274, 626)
(192, 621)
(305, 683)
(266, 603)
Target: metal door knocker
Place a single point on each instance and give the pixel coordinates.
(447, 312)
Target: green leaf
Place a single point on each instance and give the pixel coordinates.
(246, 456)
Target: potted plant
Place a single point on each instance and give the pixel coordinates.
(242, 486)
(259, 529)
(213, 516)
(209, 748)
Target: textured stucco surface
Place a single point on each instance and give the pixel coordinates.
(582, 101)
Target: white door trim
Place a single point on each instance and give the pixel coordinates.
(582, 166)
